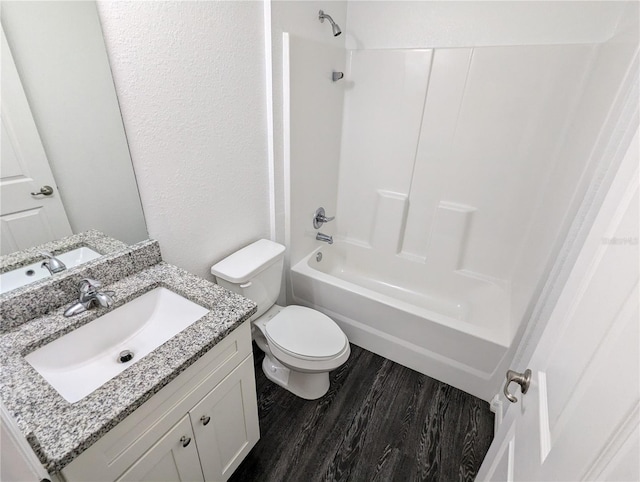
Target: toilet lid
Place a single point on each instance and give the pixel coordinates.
(305, 332)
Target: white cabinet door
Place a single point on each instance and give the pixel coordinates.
(580, 418)
(173, 458)
(225, 423)
(27, 220)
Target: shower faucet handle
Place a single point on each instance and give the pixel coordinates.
(319, 218)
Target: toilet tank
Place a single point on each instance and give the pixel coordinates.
(255, 272)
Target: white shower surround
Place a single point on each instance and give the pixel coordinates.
(470, 353)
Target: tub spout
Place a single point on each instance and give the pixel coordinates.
(324, 237)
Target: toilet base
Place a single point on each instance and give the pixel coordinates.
(309, 386)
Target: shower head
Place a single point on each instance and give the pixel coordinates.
(334, 26)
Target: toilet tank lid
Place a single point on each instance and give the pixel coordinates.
(244, 264)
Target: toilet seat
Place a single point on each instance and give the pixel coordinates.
(305, 334)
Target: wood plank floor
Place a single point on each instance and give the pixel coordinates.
(379, 421)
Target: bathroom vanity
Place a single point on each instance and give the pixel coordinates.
(187, 410)
(198, 427)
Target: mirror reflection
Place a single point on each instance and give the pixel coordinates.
(65, 163)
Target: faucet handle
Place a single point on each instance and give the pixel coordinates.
(46, 254)
(105, 299)
(319, 218)
(86, 285)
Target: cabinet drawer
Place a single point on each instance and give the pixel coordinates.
(118, 449)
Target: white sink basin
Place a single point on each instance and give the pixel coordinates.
(34, 272)
(88, 357)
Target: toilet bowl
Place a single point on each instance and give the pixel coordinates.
(301, 345)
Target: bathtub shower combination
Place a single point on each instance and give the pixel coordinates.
(453, 174)
(452, 327)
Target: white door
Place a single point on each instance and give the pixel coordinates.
(26, 219)
(579, 419)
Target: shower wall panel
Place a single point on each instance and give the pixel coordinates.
(476, 129)
(446, 90)
(381, 125)
(315, 103)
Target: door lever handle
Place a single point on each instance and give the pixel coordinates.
(522, 379)
(44, 191)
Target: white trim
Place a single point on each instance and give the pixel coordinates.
(543, 417)
(286, 166)
(268, 61)
(286, 137)
(495, 405)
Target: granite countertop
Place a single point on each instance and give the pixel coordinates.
(93, 239)
(58, 430)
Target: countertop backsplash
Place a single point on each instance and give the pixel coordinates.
(43, 296)
(93, 239)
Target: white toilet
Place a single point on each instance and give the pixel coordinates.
(301, 345)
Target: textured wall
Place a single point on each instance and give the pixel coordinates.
(190, 80)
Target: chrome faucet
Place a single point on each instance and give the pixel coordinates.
(324, 237)
(53, 264)
(88, 296)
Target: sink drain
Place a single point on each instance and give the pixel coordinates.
(125, 356)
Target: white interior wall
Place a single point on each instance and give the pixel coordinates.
(60, 56)
(190, 79)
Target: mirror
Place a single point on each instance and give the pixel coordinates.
(66, 166)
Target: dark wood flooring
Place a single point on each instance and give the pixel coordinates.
(379, 421)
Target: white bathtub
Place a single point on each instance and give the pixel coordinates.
(451, 326)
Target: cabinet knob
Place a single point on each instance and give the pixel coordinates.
(205, 420)
(185, 440)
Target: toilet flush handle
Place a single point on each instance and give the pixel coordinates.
(245, 285)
